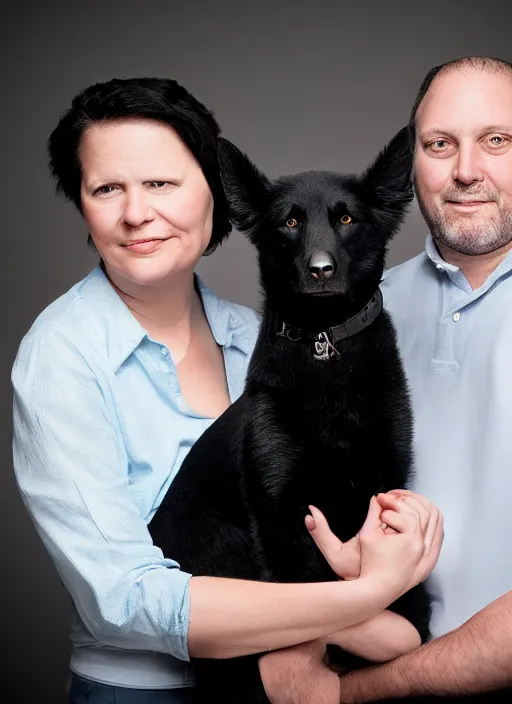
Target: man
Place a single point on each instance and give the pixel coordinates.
(452, 306)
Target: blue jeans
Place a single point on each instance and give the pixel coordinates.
(84, 691)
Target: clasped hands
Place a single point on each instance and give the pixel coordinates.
(397, 546)
(409, 520)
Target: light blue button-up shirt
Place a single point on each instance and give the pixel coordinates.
(100, 430)
(456, 345)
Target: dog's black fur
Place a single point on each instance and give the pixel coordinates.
(305, 431)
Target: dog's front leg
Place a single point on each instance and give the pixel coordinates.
(275, 485)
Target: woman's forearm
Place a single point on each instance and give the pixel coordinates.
(230, 618)
(379, 639)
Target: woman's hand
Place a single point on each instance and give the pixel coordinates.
(404, 510)
(398, 544)
(344, 558)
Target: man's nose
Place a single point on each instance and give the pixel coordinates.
(468, 167)
(321, 265)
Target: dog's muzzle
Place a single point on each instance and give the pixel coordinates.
(321, 265)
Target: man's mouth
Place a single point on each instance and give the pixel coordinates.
(468, 200)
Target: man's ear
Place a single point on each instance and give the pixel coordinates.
(387, 182)
(246, 188)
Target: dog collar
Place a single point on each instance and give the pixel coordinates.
(324, 342)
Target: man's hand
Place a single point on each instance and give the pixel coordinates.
(298, 675)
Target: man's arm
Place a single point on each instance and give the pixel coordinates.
(474, 658)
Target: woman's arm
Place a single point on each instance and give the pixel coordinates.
(236, 617)
(72, 471)
(379, 639)
(250, 617)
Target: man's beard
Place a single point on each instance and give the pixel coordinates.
(467, 235)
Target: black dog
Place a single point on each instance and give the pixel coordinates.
(325, 417)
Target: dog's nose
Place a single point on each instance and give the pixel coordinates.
(321, 265)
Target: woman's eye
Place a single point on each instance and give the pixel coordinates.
(345, 219)
(292, 223)
(104, 190)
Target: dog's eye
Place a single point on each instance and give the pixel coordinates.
(292, 223)
(345, 219)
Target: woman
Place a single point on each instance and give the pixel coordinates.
(115, 381)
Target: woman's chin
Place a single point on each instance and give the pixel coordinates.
(150, 274)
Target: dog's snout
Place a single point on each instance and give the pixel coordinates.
(321, 265)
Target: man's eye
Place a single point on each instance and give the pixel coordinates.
(439, 144)
(498, 140)
(158, 184)
(441, 148)
(292, 223)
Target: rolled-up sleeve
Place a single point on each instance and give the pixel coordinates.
(72, 471)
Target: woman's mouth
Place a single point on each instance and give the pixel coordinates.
(147, 246)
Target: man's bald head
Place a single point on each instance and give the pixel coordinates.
(479, 63)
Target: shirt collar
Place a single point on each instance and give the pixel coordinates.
(433, 254)
(123, 333)
(229, 327)
(456, 275)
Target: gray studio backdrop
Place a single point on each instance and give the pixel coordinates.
(297, 85)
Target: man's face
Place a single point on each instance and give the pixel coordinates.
(463, 160)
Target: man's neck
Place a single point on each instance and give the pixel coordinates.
(476, 268)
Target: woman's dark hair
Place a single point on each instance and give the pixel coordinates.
(159, 99)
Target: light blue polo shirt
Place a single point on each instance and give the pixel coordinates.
(456, 346)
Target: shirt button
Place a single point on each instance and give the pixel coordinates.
(164, 367)
(439, 266)
(163, 351)
(456, 316)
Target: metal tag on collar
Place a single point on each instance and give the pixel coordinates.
(323, 347)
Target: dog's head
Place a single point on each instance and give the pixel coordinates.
(320, 234)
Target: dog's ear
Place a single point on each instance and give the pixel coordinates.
(246, 188)
(387, 182)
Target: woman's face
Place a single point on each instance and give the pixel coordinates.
(145, 200)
